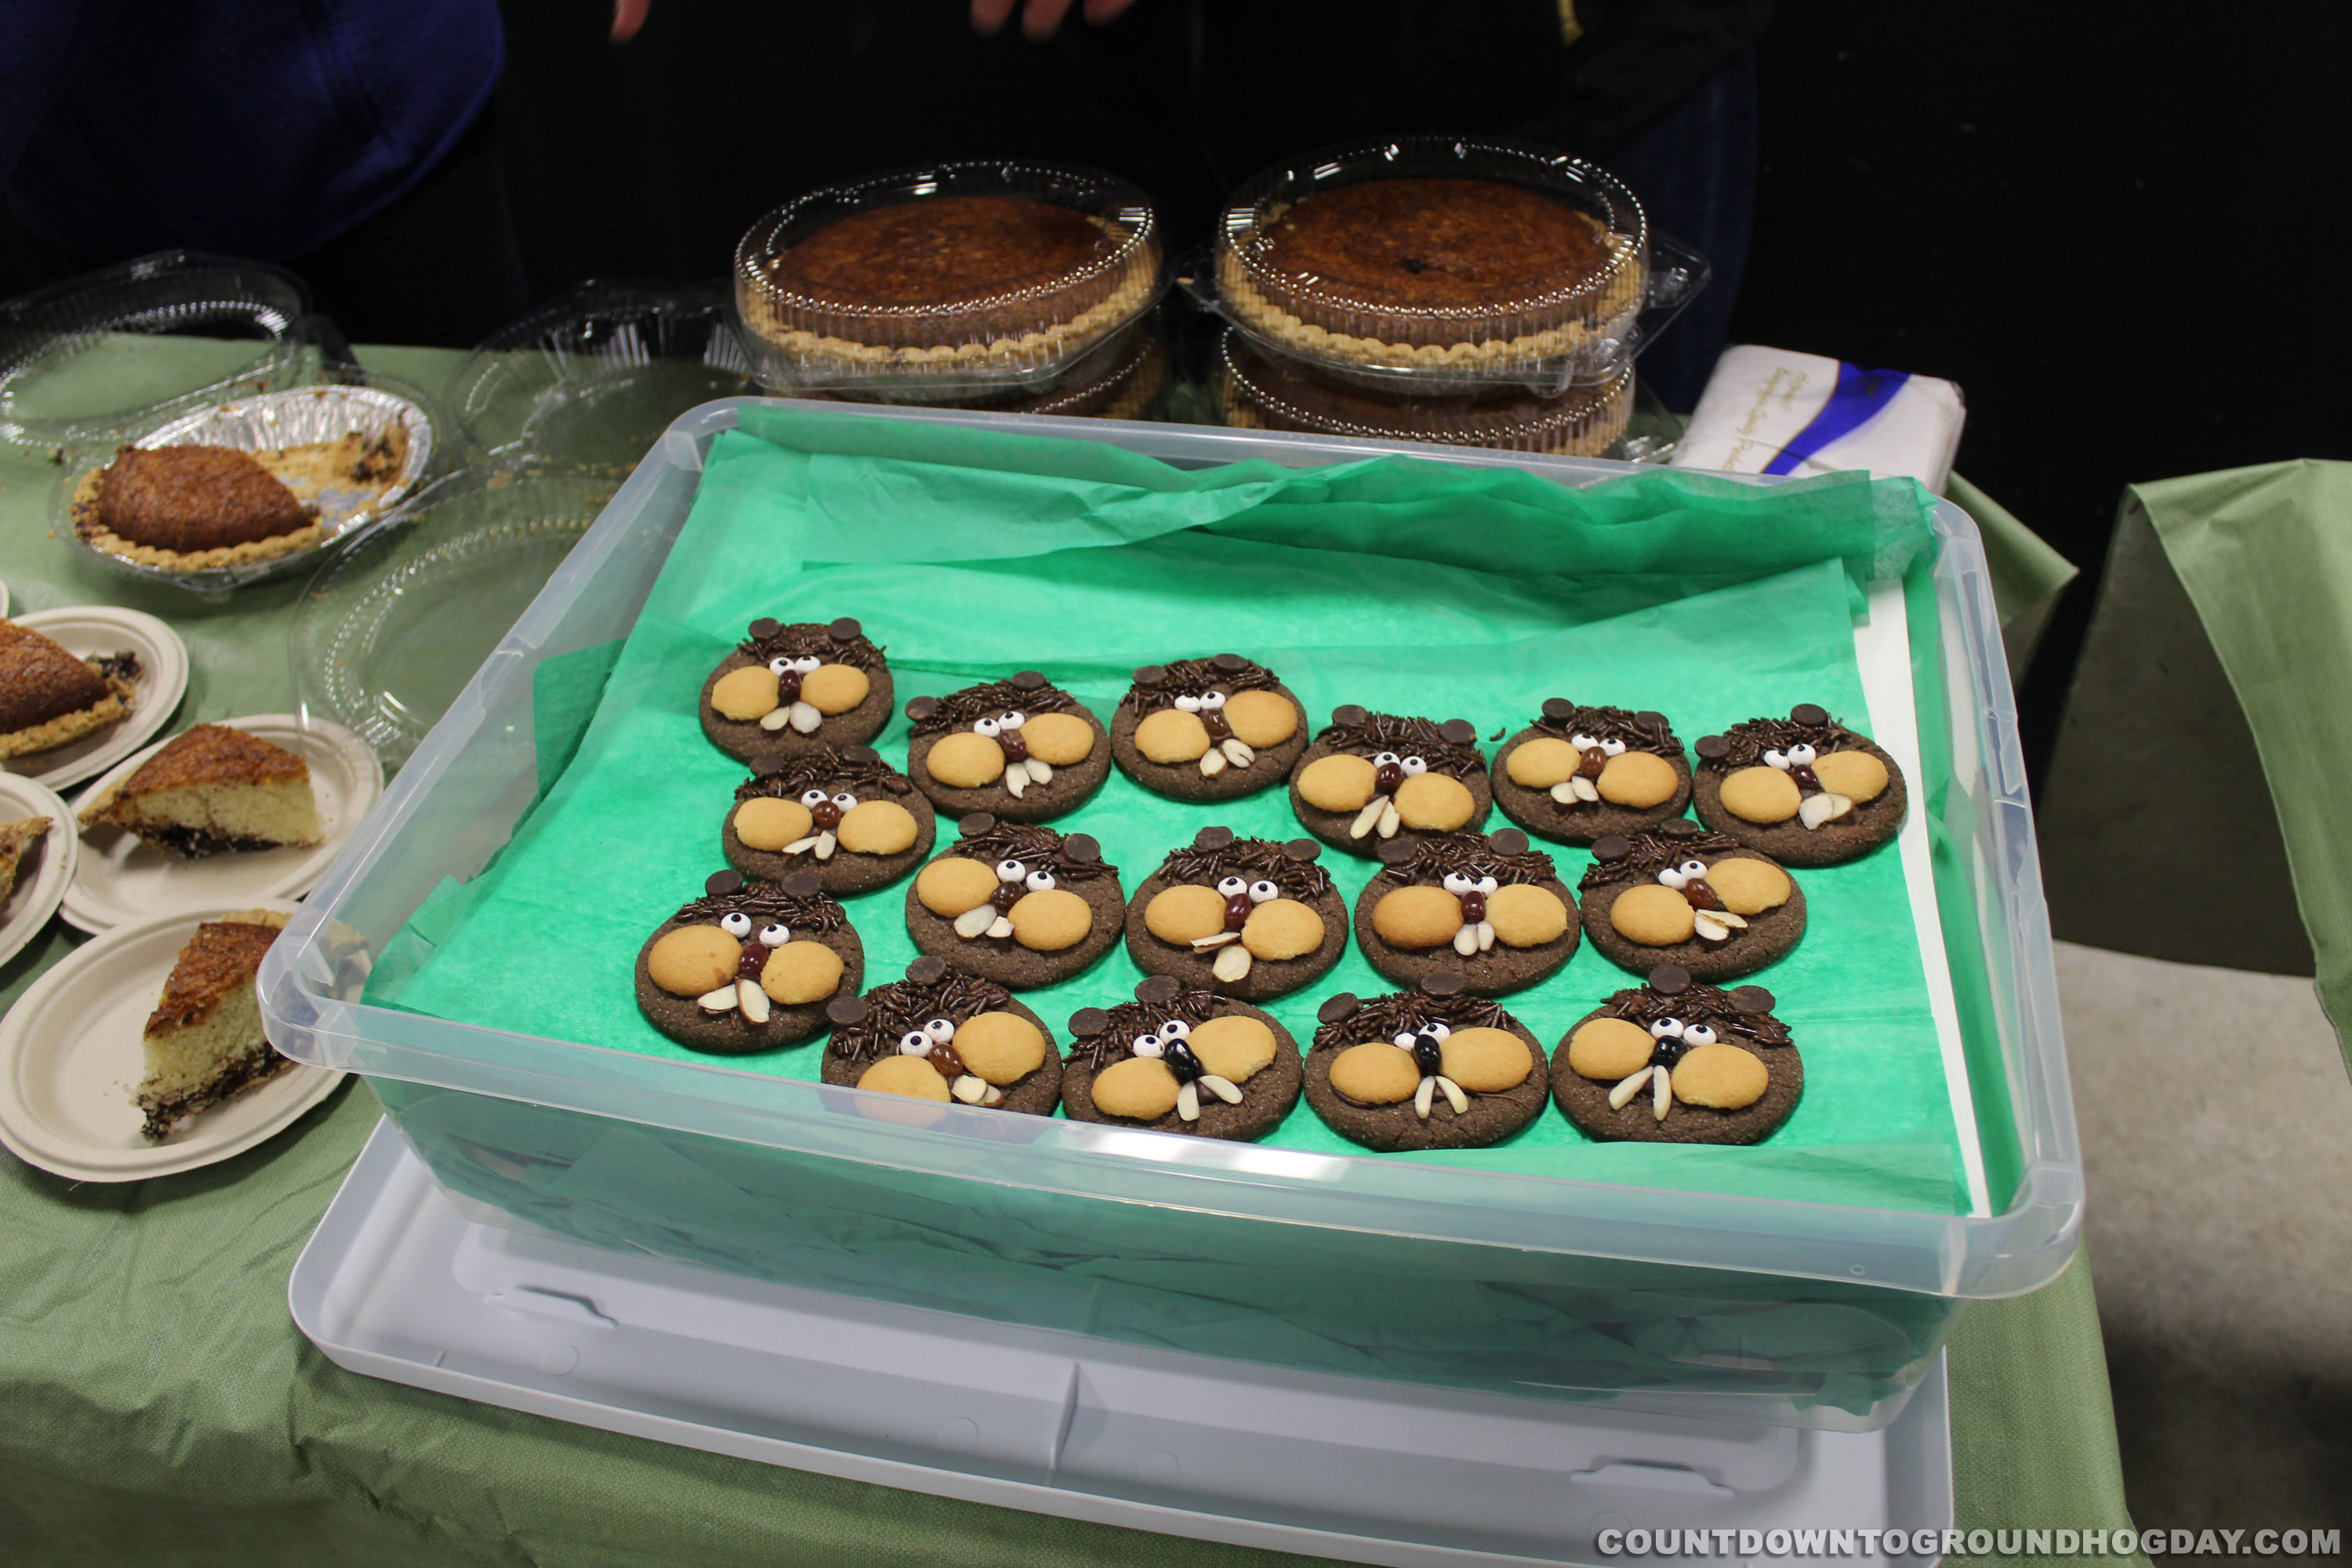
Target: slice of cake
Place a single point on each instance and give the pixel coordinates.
(49, 695)
(211, 789)
(15, 838)
(203, 1041)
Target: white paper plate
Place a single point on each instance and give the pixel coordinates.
(89, 629)
(48, 866)
(4, 600)
(121, 879)
(70, 1059)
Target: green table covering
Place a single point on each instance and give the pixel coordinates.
(163, 1410)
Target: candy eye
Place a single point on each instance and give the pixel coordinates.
(775, 933)
(1174, 1029)
(845, 800)
(1698, 1035)
(1437, 1028)
(914, 1043)
(1147, 1045)
(1386, 759)
(780, 668)
(940, 1030)
(1212, 701)
(1413, 766)
(1405, 1041)
(1584, 743)
(737, 925)
(1262, 889)
(1666, 1029)
(988, 727)
(1693, 870)
(1673, 878)
(1189, 703)
(1487, 885)
(1039, 881)
(1802, 755)
(1011, 870)
(1231, 886)
(1612, 748)
(1776, 759)
(1457, 884)
(807, 664)
(1012, 720)
(813, 798)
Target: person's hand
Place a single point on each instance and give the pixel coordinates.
(1040, 20)
(628, 15)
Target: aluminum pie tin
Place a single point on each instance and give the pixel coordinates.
(298, 417)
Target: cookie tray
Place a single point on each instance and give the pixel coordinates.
(399, 1283)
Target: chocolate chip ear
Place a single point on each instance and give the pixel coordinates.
(1397, 851)
(1752, 999)
(1558, 709)
(846, 1012)
(803, 885)
(1305, 849)
(978, 823)
(921, 708)
(1348, 713)
(1712, 747)
(1213, 838)
(1809, 714)
(1670, 980)
(1461, 731)
(928, 970)
(1158, 989)
(1611, 847)
(1679, 828)
(1445, 983)
(1507, 841)
(847, 629)
(718, 884)
(1150, 674)
(1029, 681)
(1336, 1008)
(860, 756)
(1231, 663)
(765, 628)
(1080, 849)
(1649, 718)
(1088, 1022)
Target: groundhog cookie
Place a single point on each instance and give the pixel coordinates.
(1580, 773)
(1374, 776)
(1207, 729)
(844, 814)
(1681, 895)
(1805, 789)
(749, 965)
(1678, 1062)
(1177, 1061)
(788, 690)
(1480, 905)
(1241, 917)
(1021, 750)
(1433, 1067)
(944, 1036)
(1016, 903)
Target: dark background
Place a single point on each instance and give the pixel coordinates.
(2120, 226)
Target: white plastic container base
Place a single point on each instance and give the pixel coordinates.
(399, 1283)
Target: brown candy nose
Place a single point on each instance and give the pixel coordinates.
(1007, 894)
(1474, 907)
(1699, 895)
(1213, 722)
(825, 815)
(1594, 759)
(1806, 780)
(950, 1065)
(1016, 750)
(788, 687)
(1387, 778)
(751, 961)
(1237, 911)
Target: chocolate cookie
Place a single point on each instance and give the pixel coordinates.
(787, 690)
(1580, 773)
(1677, 1062)
(1015, 903)
(945, 1036)
(1207, 729)
(1243, 917)
(1681, 895)
(1430, 1068)
(1371, 776)
(1483, 906)
(749, 966)
(843, 814)
(1805, 789)
(1021, 750)
(1181, 1061)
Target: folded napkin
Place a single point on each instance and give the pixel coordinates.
(1770, 411)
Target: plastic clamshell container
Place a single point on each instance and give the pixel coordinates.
(1352, 304)
(1714, 1306)
(1263, 391)
(1019, 331)
(64, 371)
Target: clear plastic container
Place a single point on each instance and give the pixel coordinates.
(1265, 391)
(602, 368)
(948, 283)
(1726, 1307)
(73, 369)
(1122, 378)
(1446, 263)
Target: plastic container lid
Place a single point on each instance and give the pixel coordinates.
(943, 283)
(1443, 261)
(67, 376)
(1274, 392)
(600, 370)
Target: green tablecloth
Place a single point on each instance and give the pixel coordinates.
(162, 1409)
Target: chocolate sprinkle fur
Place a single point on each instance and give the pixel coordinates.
(961, 709)
(1393, 732)
(1191, 676)
(1255, 859)
(1651, 853)
(1643, 732)
(807, 637)
(891, 1010)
